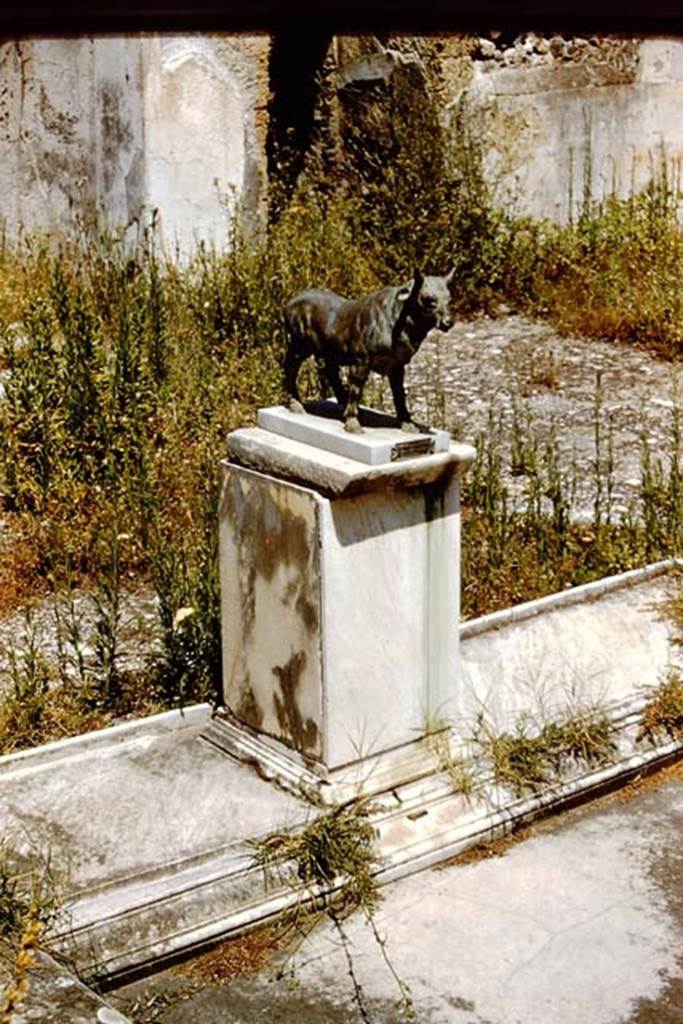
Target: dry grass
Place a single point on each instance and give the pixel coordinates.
(662, 718)
(246, 954)
(672, 608)
(22, 573)
(29, 905)
(623, 795)
(533, 756)
(542, 376)
(66, 710)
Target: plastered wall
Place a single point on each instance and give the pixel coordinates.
(560, 120)
(125, 125)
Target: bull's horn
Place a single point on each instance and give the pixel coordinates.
(418, 280)
(450, 275)
(411, 289)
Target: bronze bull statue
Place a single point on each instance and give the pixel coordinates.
(381, 332)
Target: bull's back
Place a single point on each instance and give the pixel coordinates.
(317, 320)
(368, 322)
(310, 317)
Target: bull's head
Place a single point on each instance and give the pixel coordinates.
(428, 300)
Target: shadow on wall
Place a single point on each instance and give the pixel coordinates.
(296, 69)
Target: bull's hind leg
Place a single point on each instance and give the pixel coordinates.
(328, 377)
(294, 357)
(323, 379)
(358, 375)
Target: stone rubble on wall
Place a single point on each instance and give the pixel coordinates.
(563, 119)
(533, 49)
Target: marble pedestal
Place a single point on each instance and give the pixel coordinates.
(340, 602)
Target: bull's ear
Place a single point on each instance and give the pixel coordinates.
(449, 277)
(412, 288)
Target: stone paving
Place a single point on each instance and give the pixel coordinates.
(581, 921)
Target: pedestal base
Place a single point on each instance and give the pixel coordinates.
(339, 611)
(313, 780)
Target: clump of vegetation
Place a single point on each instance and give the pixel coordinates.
(616, 271)
(25, 890)
(82, 687)
(673, 607)
(460, 773)
(532, 757)
(334, 846)
(24, 958)
(458, 769)
(525, 544)
(662, 717)
(335, 854)
(28, 907)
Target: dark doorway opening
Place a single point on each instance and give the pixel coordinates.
(296, 61)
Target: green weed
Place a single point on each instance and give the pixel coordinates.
(518, 547)
(336, 847)
(29, 905)
(613, 273)
(662, 717)
(459, 770)
(532, 757)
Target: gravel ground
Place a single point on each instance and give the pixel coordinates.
(50, 621)
(459, 376)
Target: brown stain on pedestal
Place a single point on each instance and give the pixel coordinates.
(270, 535)
(275, 541)
(248, 709)
(304, 735)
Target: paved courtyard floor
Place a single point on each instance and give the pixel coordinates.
(577, 921)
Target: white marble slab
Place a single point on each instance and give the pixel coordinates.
(336, 475)
(380, 442)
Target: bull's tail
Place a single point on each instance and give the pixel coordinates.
(294, 357)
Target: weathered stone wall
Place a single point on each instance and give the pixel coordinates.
(205, 118)
(560, 120)
(556, 118)
(120, 126)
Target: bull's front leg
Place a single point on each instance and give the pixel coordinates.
(358, 375)
(396, 380)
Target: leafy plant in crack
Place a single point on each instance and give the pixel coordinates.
(334, 857)
(662, 717)
(672, 608)
(29, 905)
(531, 756)
(458, 769)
